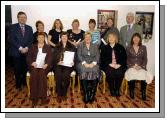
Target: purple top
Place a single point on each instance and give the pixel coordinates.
(139, 58)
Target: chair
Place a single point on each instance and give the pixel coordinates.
(103, 81)
(28, 83)
(50, 82)
(124, 86)
(72, 81)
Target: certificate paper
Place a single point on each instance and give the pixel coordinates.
(40, 60)
(68, 59)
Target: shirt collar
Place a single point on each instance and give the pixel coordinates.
(130, 25)
(21, 25)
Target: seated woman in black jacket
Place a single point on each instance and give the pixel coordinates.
(113, 63)
(62, 71)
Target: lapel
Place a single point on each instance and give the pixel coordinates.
(19, 30)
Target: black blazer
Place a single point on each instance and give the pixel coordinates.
(106, 56)
(59, 50)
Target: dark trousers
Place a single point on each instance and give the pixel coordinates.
(20, 70)
(62, 79)
(114, 77)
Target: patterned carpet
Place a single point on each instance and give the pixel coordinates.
(14, 99)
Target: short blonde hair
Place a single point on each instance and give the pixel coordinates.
(112, 34)
(87, 33)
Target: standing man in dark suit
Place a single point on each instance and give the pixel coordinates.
(21, 37)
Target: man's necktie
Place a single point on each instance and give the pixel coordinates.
(22, 30)
(129, 28)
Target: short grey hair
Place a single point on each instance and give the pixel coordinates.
(130, 14)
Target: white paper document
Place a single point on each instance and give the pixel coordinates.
(40, 60)
(68, 59)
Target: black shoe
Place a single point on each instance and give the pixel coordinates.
(143, 89)
(93, 91)
(85, 91)
(117, 93)
(86, 98)
(132, 94)
(131, 88)
(143, 94)
(112, 93)
(92, 97)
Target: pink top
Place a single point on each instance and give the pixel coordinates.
(113, 58)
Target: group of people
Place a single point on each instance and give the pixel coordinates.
(122, 56)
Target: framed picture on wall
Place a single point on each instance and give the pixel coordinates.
(145, 20)
(102, 16)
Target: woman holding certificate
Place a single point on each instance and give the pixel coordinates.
(88, 67)
(39, 62)
(63, 62)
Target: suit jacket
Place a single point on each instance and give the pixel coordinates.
(16, 39)
(124, 36)
(82, 53)
(106, 56)
(139, 58)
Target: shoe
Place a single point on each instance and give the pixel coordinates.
(143, 89)
(93, 91)
(117, 93)
(64, 98)
(131, 89)
(143, 94)
(34, 103)
(45, 101)
(85, 91)
(112, 92)
(59, 99)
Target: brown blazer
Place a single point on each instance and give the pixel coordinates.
(32, 55)
(139, 58)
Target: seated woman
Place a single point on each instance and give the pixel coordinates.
(137, 61)
(113, 63)
(88, 67)
(62, 73)
(39, 69)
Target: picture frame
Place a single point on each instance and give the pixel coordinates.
(145, 20)
(102, 16)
